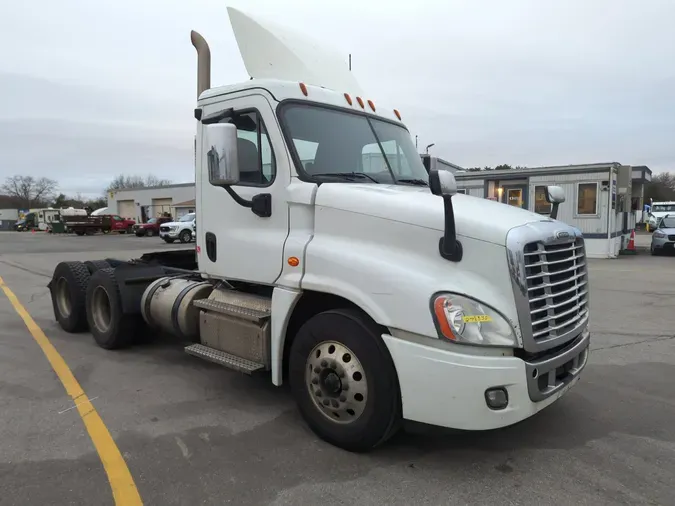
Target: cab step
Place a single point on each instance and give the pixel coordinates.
(223, 358)
(245, 306)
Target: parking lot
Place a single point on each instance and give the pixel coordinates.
(195, 433)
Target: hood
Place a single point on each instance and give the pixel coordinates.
(271, 51)
(475, 217)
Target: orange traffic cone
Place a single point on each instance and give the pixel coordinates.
(630, 249)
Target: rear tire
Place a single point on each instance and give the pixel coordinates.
(150, 232)
(357, 379)
(111, 328)
(68, 289)
(79, 232)
(94, 265)
(140, 234)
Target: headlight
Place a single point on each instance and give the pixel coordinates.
(173, 229)
(463, 320)
(659, 235)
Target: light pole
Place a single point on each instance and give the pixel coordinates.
(430, 146)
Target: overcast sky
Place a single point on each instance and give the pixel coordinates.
(89, 89)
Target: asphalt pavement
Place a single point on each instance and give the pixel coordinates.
(193, 433)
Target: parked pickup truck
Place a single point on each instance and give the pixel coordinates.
(151, 227)
(121, 225)
(178, 230)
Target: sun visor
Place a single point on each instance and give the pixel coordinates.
(270, 51)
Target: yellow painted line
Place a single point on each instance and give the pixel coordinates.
(121, 482)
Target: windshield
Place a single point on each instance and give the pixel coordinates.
(152, 220)
(663, 208)
(336, 145)
(667, 222)
(188, 217)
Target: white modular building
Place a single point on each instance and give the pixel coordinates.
(603, 200)
(141, 204)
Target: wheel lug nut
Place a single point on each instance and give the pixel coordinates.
(335, 403)
(326, 402)
(343, 398)
(341, 374)
(315, 381)
(317, 370)
(318, 393)
(345, 388)
(333, 364)
(324, 363)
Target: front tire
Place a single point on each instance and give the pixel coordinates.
(150, 232)
(168, 240)
(185, 236)
(344, 380)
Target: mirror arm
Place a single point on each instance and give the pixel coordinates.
(237, 198)
(554, 211)
(449, 247)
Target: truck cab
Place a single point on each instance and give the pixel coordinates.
(330, 259)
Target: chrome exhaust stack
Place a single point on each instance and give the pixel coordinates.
(203, 62)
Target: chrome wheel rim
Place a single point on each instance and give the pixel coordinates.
(100, 311)
(336, 382)
(63, 301)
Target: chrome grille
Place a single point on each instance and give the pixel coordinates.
(557, 287)
(671, 237)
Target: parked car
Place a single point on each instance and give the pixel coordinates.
(180, 230)
(663, 238)
(151, 227)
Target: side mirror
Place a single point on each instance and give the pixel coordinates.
(555, 196)
(221, 154)
(443, 184)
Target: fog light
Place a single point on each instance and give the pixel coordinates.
(496, 398)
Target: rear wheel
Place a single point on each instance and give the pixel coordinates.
(68, 289)
(79, 232)
(109, 325)
(344, 381)
(140, 233)
(94, 265)
(150, 232)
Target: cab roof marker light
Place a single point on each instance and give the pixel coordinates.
(398, 114)
(348, 99)
(303, 88)
(360, 101)
(372, 105)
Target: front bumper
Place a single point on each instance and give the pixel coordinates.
(662, 244)
(169, 234)
(445, 388)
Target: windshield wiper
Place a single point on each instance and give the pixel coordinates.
(348, 175)
(415, 182)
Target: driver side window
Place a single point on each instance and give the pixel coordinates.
(257, 165)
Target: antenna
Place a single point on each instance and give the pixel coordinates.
(350, 62)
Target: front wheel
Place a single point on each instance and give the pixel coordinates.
(168, 240)
(344, 380)
(185, 236)
(150, 232)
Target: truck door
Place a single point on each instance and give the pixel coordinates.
(235, 243)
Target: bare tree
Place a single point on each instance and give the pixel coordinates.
(29, 190)
(123, 182)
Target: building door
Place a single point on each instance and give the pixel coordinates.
(126, 209)
(161, 206)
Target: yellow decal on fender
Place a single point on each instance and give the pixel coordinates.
(476, 318)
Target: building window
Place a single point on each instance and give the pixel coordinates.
(461, 190)
(587, 199)
(541, 205)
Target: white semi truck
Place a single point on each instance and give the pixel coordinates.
(378, 295)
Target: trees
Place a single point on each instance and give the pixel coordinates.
(661, 188)
(122, 182)
(29, 191)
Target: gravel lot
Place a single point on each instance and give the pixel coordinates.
(194, 433)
